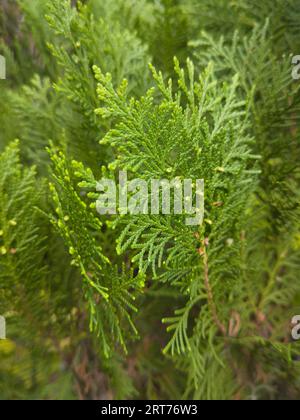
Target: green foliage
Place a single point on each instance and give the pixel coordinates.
(85, 40)
(199, 131)
(24, 280)
(19, 196)
(127, 306)
(109, 291)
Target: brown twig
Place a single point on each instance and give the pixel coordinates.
(210, 296)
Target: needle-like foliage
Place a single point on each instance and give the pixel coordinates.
(102, 306)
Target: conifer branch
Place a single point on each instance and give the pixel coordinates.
(209, 291)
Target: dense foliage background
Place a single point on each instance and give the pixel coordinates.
(101, 307)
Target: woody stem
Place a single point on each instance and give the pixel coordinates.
(210, 296)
